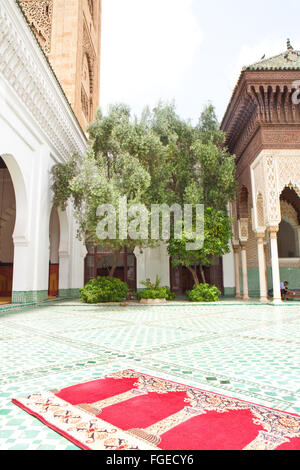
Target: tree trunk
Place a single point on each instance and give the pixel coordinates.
(115, 262)
(194, 273)
(202, 274)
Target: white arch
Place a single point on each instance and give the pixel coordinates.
(20, 234)
(64, 245)
(64, 227)
(64, 249)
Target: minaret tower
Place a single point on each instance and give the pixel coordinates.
(69, 31)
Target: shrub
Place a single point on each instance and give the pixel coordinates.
(204, 293)
(104, 289)
(171, 295)
(154, 291)
(152, 294)
(151, 285)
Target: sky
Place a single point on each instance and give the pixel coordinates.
(187, 51)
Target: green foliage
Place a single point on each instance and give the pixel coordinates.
(152, 294)
(204, 293)
(194, 166)
(217, 232)
(157, 159)
(104, 289)
(208, 127)
(63, 175)
(151, 285)
(155, 291)
(111, 169)
(170, 295)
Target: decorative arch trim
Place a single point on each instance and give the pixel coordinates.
(20, 235)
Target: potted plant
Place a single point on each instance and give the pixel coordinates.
(154, 293)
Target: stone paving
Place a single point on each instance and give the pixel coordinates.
(244, 350)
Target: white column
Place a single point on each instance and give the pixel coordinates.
(141, 271)
(262, 267)
(245, 271)
(236, 249)
(275, 264)
(64, 265)
(78, 253)
(23, 279)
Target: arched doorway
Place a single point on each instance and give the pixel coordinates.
(54, 237)
(181, 279)
(288, 245)
(7, 225)
(99, 262)
(243, 209)
(288, 235)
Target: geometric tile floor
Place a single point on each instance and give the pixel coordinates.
(245, 350)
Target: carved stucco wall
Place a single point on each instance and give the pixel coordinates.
(260, 212)
(288, 168)
(88, 95)
(271, 172)
(28, 73)
(69, 33)
(39, 14)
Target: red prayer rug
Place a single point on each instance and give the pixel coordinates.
(128, 410)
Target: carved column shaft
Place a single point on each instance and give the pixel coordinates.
(245, 271)
(262, 267)
(275, 264)
(236, 249)
(243, 235)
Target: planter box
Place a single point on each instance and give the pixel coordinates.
(153, 301)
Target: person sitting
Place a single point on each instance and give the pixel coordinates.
(270, 292)
(284, 290)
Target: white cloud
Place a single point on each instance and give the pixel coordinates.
(148, 47)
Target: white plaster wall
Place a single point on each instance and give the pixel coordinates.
(152, 262)
(78, 252)
(54, 235)
(37, 130)
(29, 157)
(228, 269)
(31, 235)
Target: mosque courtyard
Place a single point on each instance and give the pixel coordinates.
(248, 351)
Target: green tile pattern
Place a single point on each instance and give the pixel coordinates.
(28, 297)
(290, 274)
(288, 60)
(69, 293)
(244, 350)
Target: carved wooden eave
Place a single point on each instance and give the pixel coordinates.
(25, 68)
(262, 101)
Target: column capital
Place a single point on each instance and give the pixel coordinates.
(243, 245)
(260, 236)
(236, 248)
(275, 263)
(273, 231)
